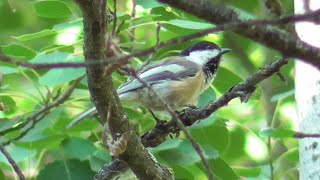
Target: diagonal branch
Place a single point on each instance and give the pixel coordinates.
(12, 162)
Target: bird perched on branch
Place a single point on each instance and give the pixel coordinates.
(178, 80)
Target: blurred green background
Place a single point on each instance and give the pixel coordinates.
(235, 138)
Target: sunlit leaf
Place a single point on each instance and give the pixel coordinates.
(55, 77)
(189, 24)
(8, 103)
(247, 171)
(75, 23)
(8, 70)
(18, 51)
(37, 35)
(52, 9)
(148, 4)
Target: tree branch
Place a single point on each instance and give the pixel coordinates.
(269, 36)
(104, 95)
(296, 48)
(12, 162)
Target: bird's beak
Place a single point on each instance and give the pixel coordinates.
(224, 50)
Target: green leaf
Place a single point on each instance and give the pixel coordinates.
(181, 172)
(181, 152)
(66, 170)
(99, 158)
(212, 133)
(8, 70)
(291, 155)
(76, 23)
(2, 176)
(206, 97)
(148, 4)
(186, 24)
(277, 133)
(50, 58)
(9, 104)
(18, 51)
(86, 125)
(225, 80)
(37, 35)
(55, 77)
(40, 141)
(247, 171)
(78, 148)
(52, 9)
(221, 169)
(18, 154)
(283, 95)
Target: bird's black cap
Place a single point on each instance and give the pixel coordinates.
(203, 45)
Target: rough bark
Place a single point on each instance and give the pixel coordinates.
(104, 96)
(307, 81)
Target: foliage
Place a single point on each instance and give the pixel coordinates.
(51, 31)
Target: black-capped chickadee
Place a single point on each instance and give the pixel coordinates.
(178, 80)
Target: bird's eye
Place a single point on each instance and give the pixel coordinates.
(209, 47)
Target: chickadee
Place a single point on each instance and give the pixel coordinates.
(178, 80)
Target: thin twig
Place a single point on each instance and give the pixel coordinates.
(306, 5)
(40, 114)
(117, 61)
(301, 135)
(115, 18)
(12, 162)
(133, 15)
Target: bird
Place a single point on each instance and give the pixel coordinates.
(178, 80)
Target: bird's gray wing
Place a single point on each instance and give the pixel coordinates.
(167, 70)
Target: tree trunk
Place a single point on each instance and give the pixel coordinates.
(307, 82)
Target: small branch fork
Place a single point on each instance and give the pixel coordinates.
(38, 116)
